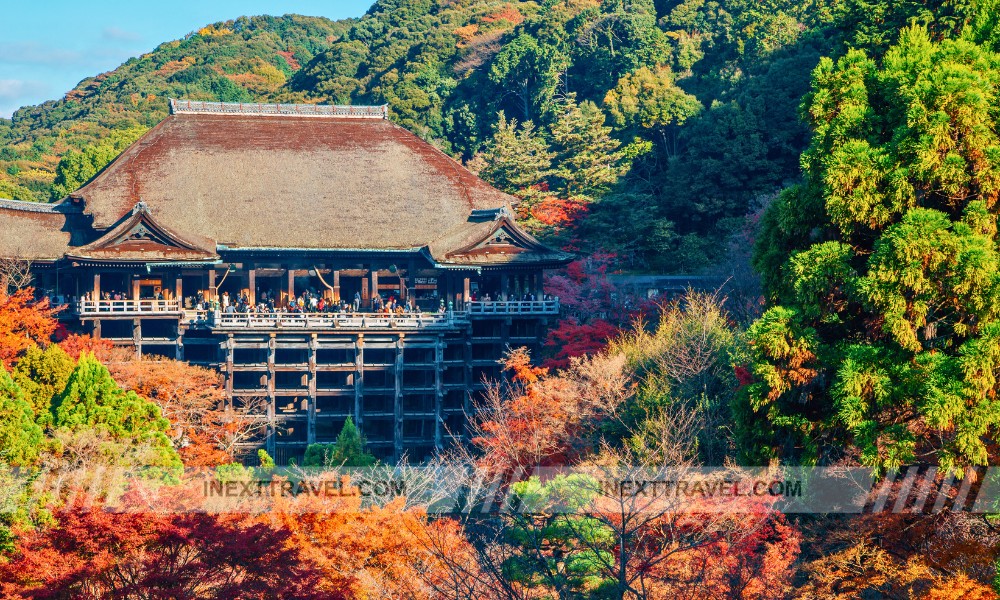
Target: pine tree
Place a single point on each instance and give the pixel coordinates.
(515, 159)
(348, 451)
(92, 399)
(20, 436)
(42, 374)
(588, 160)
(883, 268)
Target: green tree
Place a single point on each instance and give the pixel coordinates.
(650, 100)
(348, 451)
(20, 436)
(92, 399)
(530, 72)
(77, 168)
(588, 159)
(515, 159)
(42, 374)
(884, 329)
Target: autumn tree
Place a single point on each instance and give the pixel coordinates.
(192, 400)
(882, 268)
(24, 322)
(543, 419)
(93, 553)
(377, 551)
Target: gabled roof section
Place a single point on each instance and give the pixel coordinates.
(139, 238)
(493, 237)
(33, 230)
(292, 176)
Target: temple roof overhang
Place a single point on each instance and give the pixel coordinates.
(220, 178)
(138, 237)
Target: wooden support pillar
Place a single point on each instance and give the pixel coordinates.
(210, 293)
(503, 286)
(336, 286)
(179, 289)
(137, 336)
(271, 416)
(252, 283)
(359, 380)
(97, 290)
(96, 333)
(540, 285)
(438, 392)
(311, 428)
(375, 290)
(397, 435)
(291, 284)
(467, 290)
(135, 287)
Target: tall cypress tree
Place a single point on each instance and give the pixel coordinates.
(882, 269)
(20, 436)
(92, 399)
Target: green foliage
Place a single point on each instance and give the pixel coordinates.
(42, 374)
(348, 451)
(92, 400)
(515, 159)
(588, 158)
(683, 366)
(552, 516)
(888, 296)
(20, 436)
(703, 98)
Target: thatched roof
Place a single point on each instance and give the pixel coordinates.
(139, 237)
(270, 176)
(32, 231)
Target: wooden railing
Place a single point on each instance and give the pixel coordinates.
(267, 321)
(127, 307)
(526, 307)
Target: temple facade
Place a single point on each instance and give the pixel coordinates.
(328, 262)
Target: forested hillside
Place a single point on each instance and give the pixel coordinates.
(656, 127)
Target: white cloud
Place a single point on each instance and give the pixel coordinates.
(15, 93)
(32, 53)
(11, 89)
(117, 34)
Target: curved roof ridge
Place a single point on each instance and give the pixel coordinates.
(37, 207)
(199, 107)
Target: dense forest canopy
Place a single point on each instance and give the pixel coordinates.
(689, 109)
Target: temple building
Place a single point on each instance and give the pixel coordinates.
(327, 261)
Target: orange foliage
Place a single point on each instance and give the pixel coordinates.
(376, 552)
(175, 66)
(290, 59)
(541, 418)
(190, 397)
(24, 322)
(508, 13)
(467, 32)
(558, 212)
(74, 345)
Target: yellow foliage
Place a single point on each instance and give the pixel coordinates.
(213, 31)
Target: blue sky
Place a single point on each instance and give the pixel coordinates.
(48, 46)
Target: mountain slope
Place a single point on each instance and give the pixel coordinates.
(703, 96)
